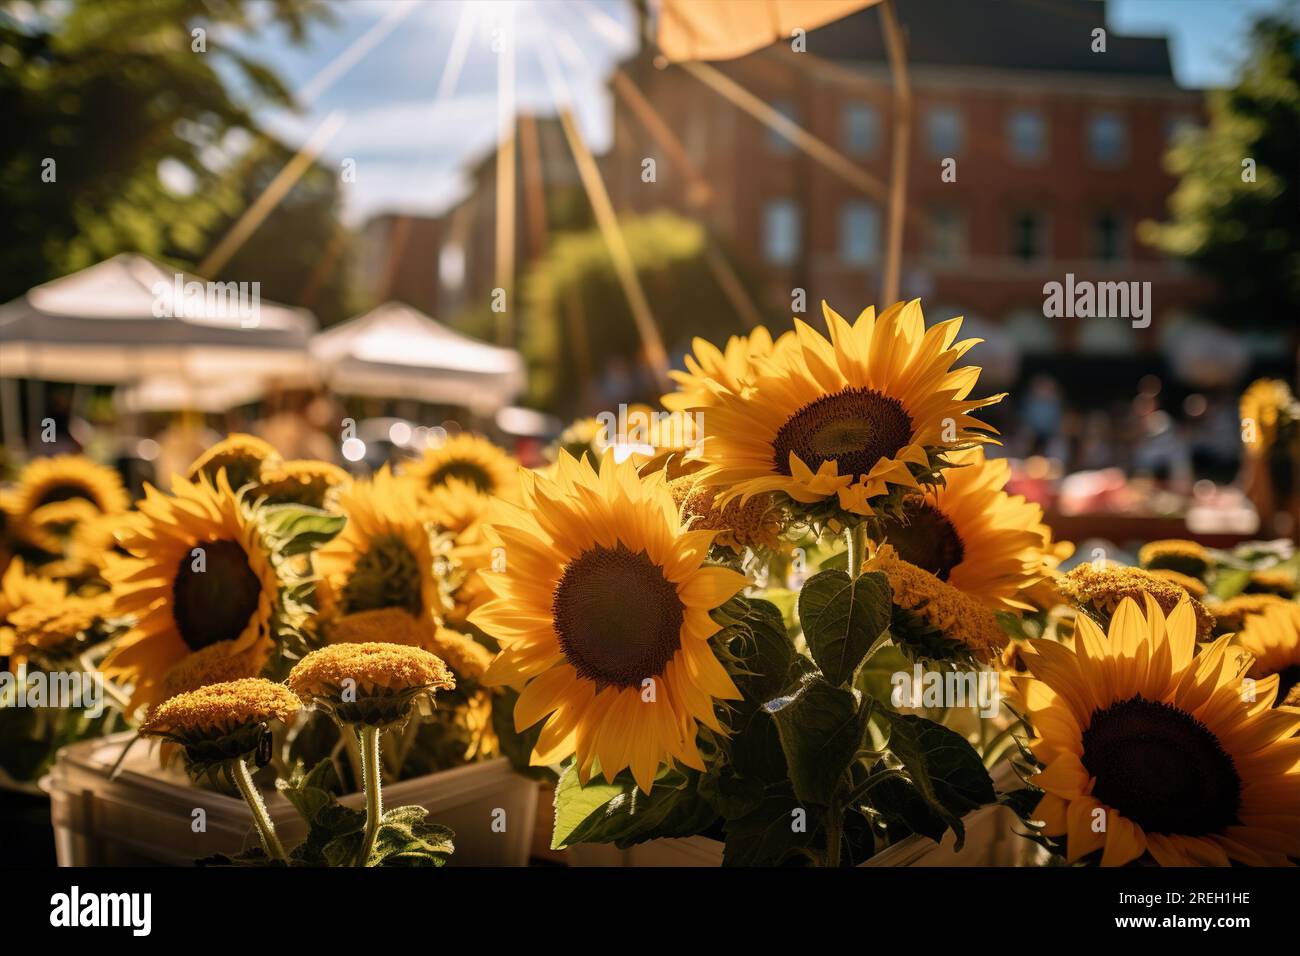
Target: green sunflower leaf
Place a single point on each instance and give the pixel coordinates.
(299, 528)
(406, 838)
(945, 769)
(842, 618)
(820, 727)
(770, 834)
(622, 814)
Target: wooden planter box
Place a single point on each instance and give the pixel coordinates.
(146, 815)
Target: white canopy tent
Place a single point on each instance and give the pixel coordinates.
(395, 351)
(163, 393)
(120, 322)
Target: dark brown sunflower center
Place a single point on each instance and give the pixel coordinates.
(854, 428)
(214, 594)
(1287, 678)
(925, 537)
(65, 492)
(386, 575)
(618, 619)
(1161, 768)
(466, 471)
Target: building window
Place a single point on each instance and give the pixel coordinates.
(1033, 332)
(1027, 133)
(1107, 139)
(777, 143)
(1108, 239)
(861, 129)
(1028, 235)
(782, 227)
(945, 235)
(859, 233)
(943, 131)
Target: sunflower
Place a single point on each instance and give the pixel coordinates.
(1265, 406)
(62, 478)
(242, 456)
(971, 533)
(475, 721)
(52, 527)
(585, 436)
(218, 710)
(59, 628)
(95, 543)
(1045, 594)
(731, 367)
(308, 482)
(18, 590)
(604, 615)
(1233, 614)
(222, 725)
(1175, 554)
(931, 618)
(471, 459)
(1135, 728)
(1193, 586)
(845, 420)
(456, 509)
(1100, 592)
(1277, 581)
(373, 684)
(757, 523)
(1273, 640)
(11, 529)
(381, 560)
(467, 658)
(200, 576)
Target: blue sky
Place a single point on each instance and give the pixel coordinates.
(411, 132)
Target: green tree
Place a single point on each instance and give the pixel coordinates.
(1235, 208)
(577, 322)
(113, 91)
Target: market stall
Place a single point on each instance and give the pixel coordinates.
(395, 351)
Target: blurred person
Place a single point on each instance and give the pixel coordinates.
(296, 425)
(1216, 441)
(184, 438)
(1096, 443)
(1043, 410)
(1163, 453)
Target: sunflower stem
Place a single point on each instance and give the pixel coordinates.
(834, 834)
(253, 797)
(857, 539)
(370, 772)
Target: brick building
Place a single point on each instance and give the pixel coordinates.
(1058, 156)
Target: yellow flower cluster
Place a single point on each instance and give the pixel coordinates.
(942, 608)
(1100, 592)
(220, 709)
(371, 670)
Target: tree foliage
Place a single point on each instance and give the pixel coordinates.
(152, 132)
(578, 318)
(1235, 208)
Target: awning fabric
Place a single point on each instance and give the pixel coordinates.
(725, 29)
(396, 351)
(119, 321)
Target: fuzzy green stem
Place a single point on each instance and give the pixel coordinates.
(370, 773)
(857, 539)
(253, 797)
(834, 834)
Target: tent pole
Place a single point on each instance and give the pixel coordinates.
(10, 417)
(897, 50)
